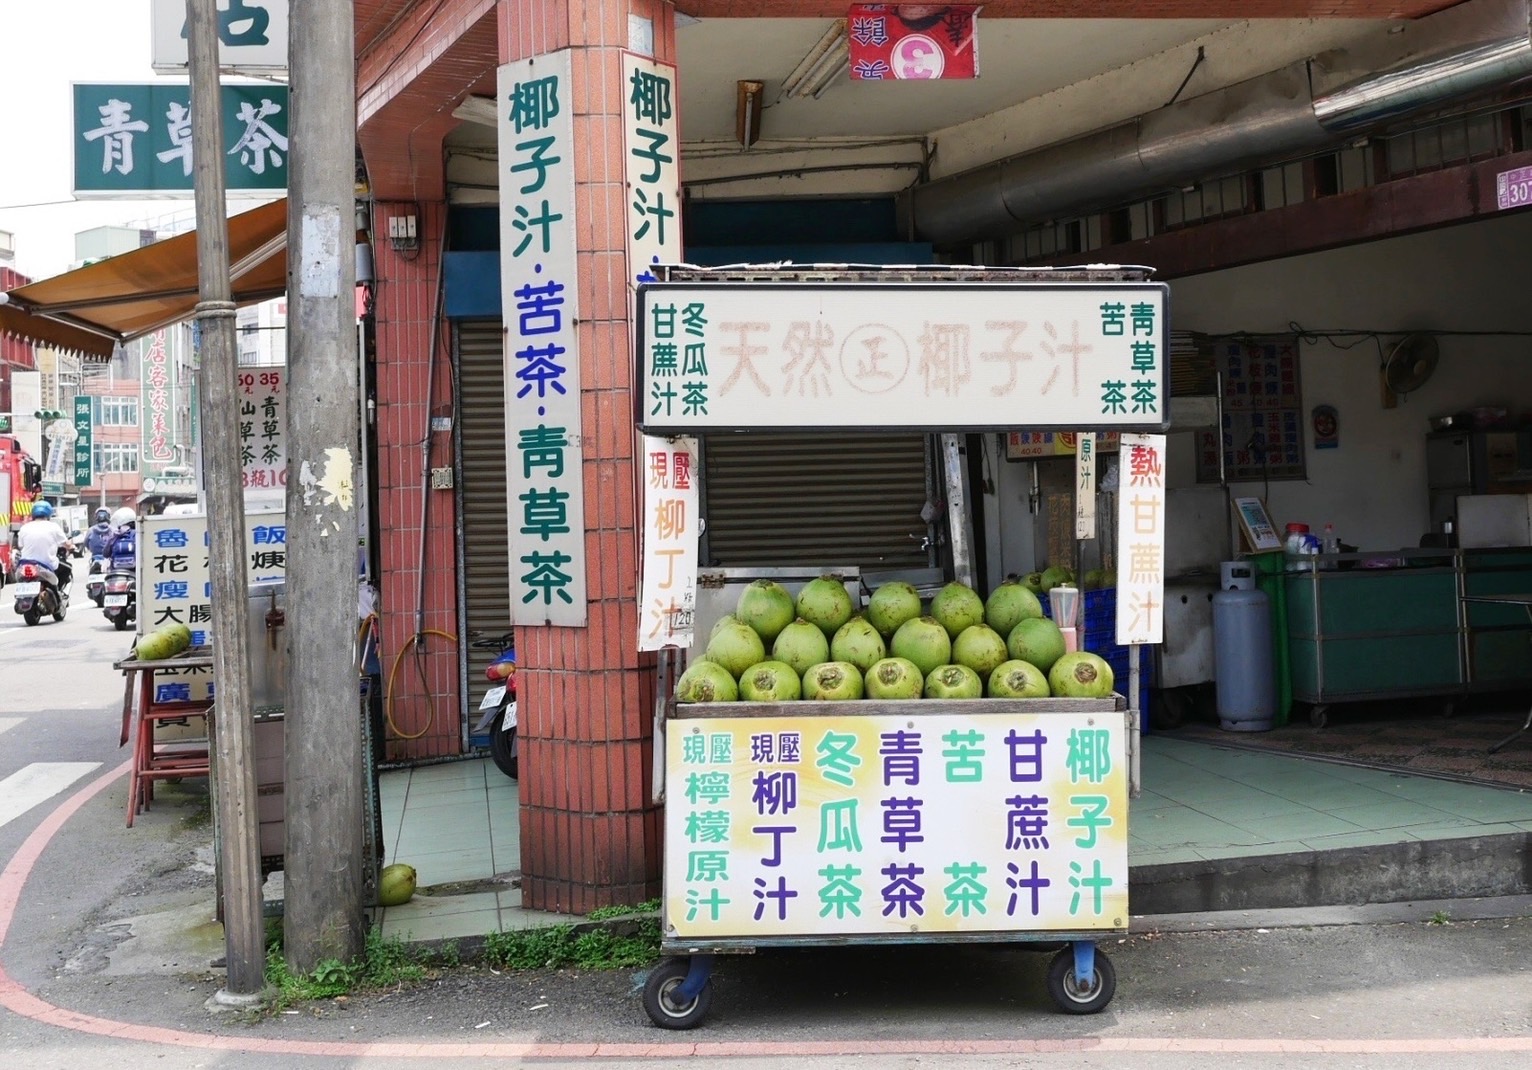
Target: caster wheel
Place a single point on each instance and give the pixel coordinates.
(663, 1002)
(1319, 716)
(1073, 997)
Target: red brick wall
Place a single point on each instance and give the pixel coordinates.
(421, 689)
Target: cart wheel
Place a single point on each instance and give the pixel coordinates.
(662, 999)
(1072, 997)
(1319, 715)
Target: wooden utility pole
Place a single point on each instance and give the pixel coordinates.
(234, 771)
(323, 864)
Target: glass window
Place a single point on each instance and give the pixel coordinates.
(116, 457)
(116, 411)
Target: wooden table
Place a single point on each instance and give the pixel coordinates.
(159, 761)
(1525, 601)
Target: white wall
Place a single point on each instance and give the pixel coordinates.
(1465, 278)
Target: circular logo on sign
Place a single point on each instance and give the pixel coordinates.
(917, 56)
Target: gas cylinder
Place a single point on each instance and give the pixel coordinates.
(1242, 651)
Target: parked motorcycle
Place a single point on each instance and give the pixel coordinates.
(37, 592)
(499, 705)
(119, 597)
(95, 581)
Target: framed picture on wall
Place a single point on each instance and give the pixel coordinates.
(1260, 533)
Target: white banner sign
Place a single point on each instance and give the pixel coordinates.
(1141, 540)
(1085, 487)
(252, 35)
(668, 585)
(992, 357)
(263, 434)
(651, 143)
(545, 478)
(936, 823)
(174, 585)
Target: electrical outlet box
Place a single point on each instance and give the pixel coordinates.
(441, 479)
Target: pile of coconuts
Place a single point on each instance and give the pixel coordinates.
(817, 647)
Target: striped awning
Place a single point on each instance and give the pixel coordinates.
(93, 309)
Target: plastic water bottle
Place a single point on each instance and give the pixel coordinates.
(1330, 544)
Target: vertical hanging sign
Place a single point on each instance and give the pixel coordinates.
(668, 584)
(651, 140)
(83, 433)
(544, 469)
(263, 434)
(1085, 487)
(1141, 540)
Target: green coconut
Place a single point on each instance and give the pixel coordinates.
(770, 681)
(980, 648)
(766, 606)
(1080, 675)
(706, 681)
(396, 885)
(1009, 604)
(736, 646)
(858, 642)
(894, 678)
(833, 681)
(1018, 679)
(891, 605)
(1056, 576)
(957, 606)
(825, 602)
(801, 645)
(1037, 641)
(924, 642)
(953, 681)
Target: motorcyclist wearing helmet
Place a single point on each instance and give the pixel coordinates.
(99, 533)
(123, 541)
(40, 540)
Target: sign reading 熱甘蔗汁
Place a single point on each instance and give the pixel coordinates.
(252, 35)
(939, 357)
(137, 139)
(874, 824)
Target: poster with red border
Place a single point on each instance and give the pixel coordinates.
(902, 41)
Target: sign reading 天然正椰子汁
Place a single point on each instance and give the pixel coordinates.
(917, 355)
(136, 140)
(875, 824)
(539, 286)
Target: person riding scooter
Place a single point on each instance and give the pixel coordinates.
(41, 540)
(99, 533)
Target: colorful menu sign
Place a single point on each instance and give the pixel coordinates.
(931, 823)
(545, 478)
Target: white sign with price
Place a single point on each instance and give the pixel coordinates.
(263, 434)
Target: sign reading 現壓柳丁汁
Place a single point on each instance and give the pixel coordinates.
(670, 522)
(136, 139)
(939, 357)
(175, 586)
(651, 141)
(545, 479)
(262, 396)
(942, 823)
(1141, 540)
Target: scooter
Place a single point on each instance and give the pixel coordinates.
(95, 581)
(499, 706)
(37, 591)
(119, 599)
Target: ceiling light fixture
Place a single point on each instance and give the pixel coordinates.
(830, 56)
(747, 111)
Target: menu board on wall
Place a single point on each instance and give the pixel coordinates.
(1263, 422)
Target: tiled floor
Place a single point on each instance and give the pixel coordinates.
(458, 822)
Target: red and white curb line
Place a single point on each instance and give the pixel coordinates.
(18, 1000)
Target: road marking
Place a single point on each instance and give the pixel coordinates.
(24, 789)
(10, 722)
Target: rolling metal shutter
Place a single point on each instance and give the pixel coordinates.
(486, 584)
(814, 499)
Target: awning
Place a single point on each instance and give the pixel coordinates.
(93, 309)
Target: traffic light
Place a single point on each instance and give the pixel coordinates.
(48, 415)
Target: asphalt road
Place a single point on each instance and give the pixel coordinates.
(106, 958)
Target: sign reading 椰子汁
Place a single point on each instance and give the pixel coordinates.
(137, 139)
(175, 586)
(545, 479)
(942, 823)
(941, 357)
(651, 143)
(252, 35)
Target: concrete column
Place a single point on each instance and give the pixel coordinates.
(590, 837)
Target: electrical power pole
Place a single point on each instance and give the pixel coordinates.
(323, 863)
(234, 771)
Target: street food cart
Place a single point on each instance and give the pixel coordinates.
(815, 823)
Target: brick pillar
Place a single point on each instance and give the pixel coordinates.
(590, 836)
(422, 697)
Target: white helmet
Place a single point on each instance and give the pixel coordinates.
(123, 517)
